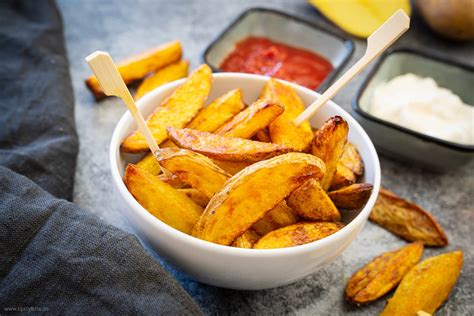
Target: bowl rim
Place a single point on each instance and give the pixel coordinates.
(359, 220)
(404, 50)
(348, 43)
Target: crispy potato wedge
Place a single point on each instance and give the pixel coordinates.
(172, 72)
(150, 164)
(177, 110)
(140, 65)
(280, 216)
(246, 240)
(251, 120)
(342, 178)
(328, 144)
(263, 135)
(282, 130)
(310, 201)
(426, 286)
(352, 159)
(194, 169)
(250, 194)
(162, 200)
(224, 148)
(232, 167)
(218, 112)
(195, 195)
(382, 274)
(407, 220)
(297, 234)
(351, 197)
(172, 180)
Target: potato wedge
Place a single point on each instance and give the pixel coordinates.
(198, 197)
(297, 234)
(328, 144)
(251, 120)
(407, 220)
(246, 240)
(426, 286)
(231, 167)
(280, 216)
(224, 148)
(250, 194)
(194, 169)
(172, 180)
(352, 159)
(138, 66)
(342, 178)
(382, 274)
(282, 130)
(177, 110)
(162, 200)
(172, 72)
(351, 197)
(310, 201)
(150, 164)
(263, 135)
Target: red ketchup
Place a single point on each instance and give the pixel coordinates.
(259, 55)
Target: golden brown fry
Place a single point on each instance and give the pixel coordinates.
(164, 75)
(231, 167)
(263, 136)
(280, 216)
(198, 197)
(150, 164)
(426, 286)
(282, 130)
(328, 144)
(351, 197)
(342, 178)
(310, 201)
(352, 159)
(140, 65)
(249, 195)
(251, 120)
(246, 240)
(407, 220)
(162, 200)
(224, 148)
(382, 274)
(297, 234)
(176, 111)
(172, 180)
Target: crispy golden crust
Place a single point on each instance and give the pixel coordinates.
(352, 159)
(231, 167)
(351, 197)
(342, 178)
(150, 164)
(246, 240)
(198, 198)
(263, 135)
(280, 216)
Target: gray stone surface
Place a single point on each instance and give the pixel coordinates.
(125, 27)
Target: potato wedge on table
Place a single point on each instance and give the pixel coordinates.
(250, 194)
(138, 66)
(351, 197)
(164, 75)
(282, 130)
(162, 200)
(297, 234)
(342, 178)
(310, 201)
(382, 274)
(352, 159)
(195, 195)
(426, 286)
(328, 144)
(177, 110)
(246, 240)
(224, 148)
(251, 120)
(407, 220)
(280, 216)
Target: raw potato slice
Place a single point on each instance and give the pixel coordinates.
(310, 201)
(140, 65)
(150, 164)
(328, 144)
(407, 220)
(177, 110)
(164, 75)
(224, 148)
(198, 198)
(342, 178)
(280, 216)
(250, 194)
(351, 197)
(282, 130)
(232, 167)
(382, 274)
(194, 169)
(251, 120)
(247, 240)
(352, 159)
(162, 200)
(426, 286)
(221, 110)
(297, 234)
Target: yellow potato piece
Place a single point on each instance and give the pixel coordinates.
(351, 197)
(162, 200)
(342, 178)
(140, 65)
(231, 167)
(263, 135)
(247, 240)
(176, 111)
(297, 234)
(426, 286)
(150, 164)
(251, 193)
(352, 159)
(198, 197)
(164, 75)
(282, 130)
(280, 216)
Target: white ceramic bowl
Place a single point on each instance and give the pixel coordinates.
(230, 267)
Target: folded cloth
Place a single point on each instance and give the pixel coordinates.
(55, 257)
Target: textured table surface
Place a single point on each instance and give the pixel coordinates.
(125, 27)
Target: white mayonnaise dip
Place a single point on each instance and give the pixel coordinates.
(419, 104)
